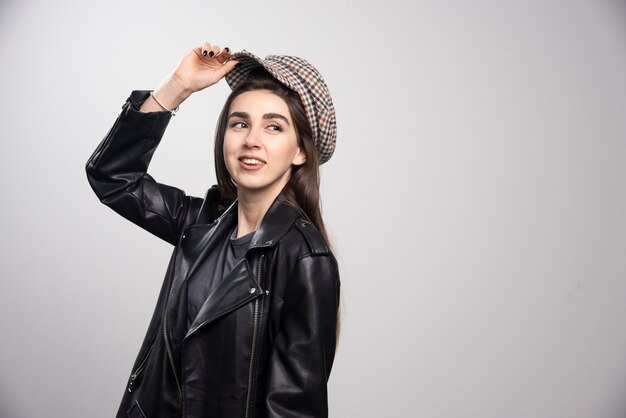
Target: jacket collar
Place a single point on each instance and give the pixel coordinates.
(276, 222)
(235, 289)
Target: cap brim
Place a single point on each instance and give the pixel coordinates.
(246, 63)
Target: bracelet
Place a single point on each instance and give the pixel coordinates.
(172, 111)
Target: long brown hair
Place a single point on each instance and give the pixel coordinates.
(303, 188)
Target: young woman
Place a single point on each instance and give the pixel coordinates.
(246, 320)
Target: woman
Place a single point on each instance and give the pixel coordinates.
(245, 323)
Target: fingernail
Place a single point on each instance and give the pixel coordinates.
(211, 53)
(204, 53)
(227, 49)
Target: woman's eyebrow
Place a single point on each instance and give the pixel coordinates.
(276, 116)
(244, 115)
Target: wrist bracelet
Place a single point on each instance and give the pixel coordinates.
(172, 111)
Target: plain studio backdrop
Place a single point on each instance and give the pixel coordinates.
(476, 200)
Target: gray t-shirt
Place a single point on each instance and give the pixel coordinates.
(210, 274)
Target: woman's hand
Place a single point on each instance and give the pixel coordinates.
(200, 68)
(203, 66)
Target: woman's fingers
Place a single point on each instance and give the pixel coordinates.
(209, 50)
(214, 51)
(205, 66)
(205, 48)
(226, 68)
(223, 56)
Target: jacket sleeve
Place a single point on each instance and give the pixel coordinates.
(117, 173)
(304, 347)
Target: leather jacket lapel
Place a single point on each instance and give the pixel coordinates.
(199, 240)
(195, 244)
(236, 289)
(275, 223)
(240, 285)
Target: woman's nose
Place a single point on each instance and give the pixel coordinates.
(252, 139)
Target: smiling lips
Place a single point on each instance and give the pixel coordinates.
(251, 163)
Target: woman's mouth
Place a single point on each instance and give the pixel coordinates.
(251, 163)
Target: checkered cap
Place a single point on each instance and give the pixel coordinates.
(304, 79)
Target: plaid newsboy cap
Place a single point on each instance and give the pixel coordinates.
(301, 77)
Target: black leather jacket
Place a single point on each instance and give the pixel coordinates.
(264, 341)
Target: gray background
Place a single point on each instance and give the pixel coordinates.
(476, 199)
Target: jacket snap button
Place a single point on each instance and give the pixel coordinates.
(252, 290)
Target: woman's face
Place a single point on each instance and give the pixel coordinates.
(260, 143)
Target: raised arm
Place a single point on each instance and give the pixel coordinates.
(117, 170)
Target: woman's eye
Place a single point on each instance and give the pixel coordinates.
(238, 125)
(276, 128)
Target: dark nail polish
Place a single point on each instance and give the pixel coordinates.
(211, 53)
(204, 53)
(227, 49)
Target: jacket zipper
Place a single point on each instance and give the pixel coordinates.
(169, 354)
(98, 152)
(255, 330)
(134, 375)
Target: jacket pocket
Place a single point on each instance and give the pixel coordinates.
(136, 376)
(135, 411)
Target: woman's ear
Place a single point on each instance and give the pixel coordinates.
(300, 158)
